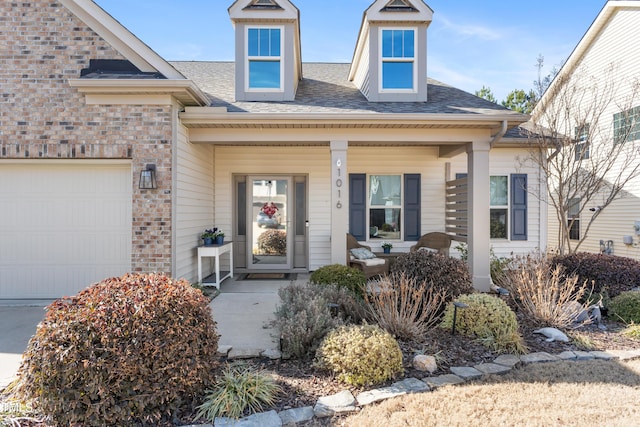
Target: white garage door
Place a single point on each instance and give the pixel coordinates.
(62, 227)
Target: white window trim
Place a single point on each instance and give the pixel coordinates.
(414, 61)
(506, 207)
(248, 59)
(370, 206)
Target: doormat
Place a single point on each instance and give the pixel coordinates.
(267, 276)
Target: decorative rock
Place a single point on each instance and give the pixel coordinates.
(376, 395)
(466, 373)
(539, 357)
(603, 355)
(337, 403)
(223, 350)
(623, 354)
(272, 354)
(552, 334)
(584, 355)
(425, 363)
(509, 360)
(492, 368)
(263, 419)
(291, 417)
(244, 353)
(442, 380)
(199, 425)
(412, 385)
(567, 355)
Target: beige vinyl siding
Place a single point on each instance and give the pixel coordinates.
(315, 162)
(505, 162)
(614, 54)
(194, 199)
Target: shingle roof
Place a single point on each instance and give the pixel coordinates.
(325, 88)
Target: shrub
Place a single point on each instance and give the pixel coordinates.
(239, 389)
(272, 242)
(340, 275)
(609, 273)
(632, 331)
(360, 355)
(125, 351)
(496, 264)
(488, 319)
(304, 317)
(543, 292)
(626, 307)
(435, 270)
(402, 308)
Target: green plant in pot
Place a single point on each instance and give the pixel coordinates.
(386, 247)
(211, 236)
(219, 238)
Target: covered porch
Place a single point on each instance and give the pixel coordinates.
(329, 149)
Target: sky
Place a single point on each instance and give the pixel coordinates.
(470, 43)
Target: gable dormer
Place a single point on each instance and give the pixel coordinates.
(268, 59)
(390, 59)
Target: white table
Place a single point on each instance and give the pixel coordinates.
(214, 251)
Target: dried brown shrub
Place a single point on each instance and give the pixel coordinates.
(402, 308)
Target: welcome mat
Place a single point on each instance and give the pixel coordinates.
(267, 276)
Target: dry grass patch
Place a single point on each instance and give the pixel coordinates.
(563, 393)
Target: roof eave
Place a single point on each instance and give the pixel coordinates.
(185, 91)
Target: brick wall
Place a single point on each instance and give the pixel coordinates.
(42, 45)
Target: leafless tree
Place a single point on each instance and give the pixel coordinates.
(585, 162)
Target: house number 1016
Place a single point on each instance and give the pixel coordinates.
(339, 184)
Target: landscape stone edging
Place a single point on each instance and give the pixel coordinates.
(348, 403)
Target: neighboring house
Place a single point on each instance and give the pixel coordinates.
(373, 148)
(606, 111)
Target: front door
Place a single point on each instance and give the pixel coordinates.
(271, 227)
(270, 213)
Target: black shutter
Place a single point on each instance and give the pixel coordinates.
(412, 207)
(358, 205)
(519, 207)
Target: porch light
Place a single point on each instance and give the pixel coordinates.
(148, 178)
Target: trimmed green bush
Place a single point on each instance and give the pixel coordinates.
(304, 316)
(340, 275)
(126, 351)
(625, 307)
(360, 355)
(441, 272)
(609, 274)
(489, 319)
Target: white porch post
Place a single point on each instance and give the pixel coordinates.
(478, 211)
(339, 201)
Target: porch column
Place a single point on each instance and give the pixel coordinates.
(339, 201)
(478, 210)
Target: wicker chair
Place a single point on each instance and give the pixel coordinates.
(436, 240)
(363, 265)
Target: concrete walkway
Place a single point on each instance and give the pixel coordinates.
(244, 311)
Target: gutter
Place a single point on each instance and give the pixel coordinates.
(497, 137)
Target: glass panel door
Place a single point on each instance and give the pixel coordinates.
(270, 212)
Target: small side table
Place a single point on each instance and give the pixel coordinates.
(214, 251)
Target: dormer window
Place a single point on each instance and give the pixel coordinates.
(264, 60)
(397, 60)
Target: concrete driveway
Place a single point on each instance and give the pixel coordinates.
(18, 324)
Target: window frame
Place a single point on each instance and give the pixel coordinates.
(506, 208)
(263, 58)
(626, 124)
(400, 207)
(573, 218)
(582, 149)
(398, 60)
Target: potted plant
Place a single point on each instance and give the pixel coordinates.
(386, 247)
(209, 235)
(219, 238)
